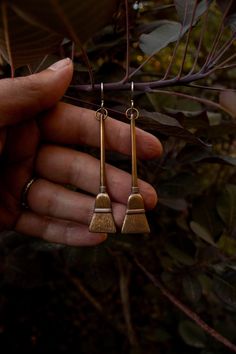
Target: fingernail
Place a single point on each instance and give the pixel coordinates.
(60, 64)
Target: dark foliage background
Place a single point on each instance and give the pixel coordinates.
(127, 295)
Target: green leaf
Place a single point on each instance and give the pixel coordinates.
(227, 245)
(169, 31)
(226, 207)
(192, 334)
(185, 9)
(31, 29)
(204, 234)
(192, 288)
(164, 34)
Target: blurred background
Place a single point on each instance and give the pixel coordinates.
(129, 294)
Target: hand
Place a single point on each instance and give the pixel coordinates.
(34, 129)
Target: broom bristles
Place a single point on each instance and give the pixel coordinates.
(135, 219)
(102, 219)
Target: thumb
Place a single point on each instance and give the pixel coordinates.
(24, 97)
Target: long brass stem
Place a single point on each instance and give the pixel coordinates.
(102, 155)
(134, 156)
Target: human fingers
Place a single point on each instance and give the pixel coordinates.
(228, 100)
(67, 124)
(24, 97)
(66, 166)
(58, 231)
(49, 199)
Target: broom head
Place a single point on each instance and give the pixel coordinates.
(135, 221)
(102, 219)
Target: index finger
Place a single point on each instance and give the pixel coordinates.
(68, 124)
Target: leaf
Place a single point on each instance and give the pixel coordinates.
(160, 37)
(225, 289)
(192, 288)
(20, 42)
(171, 127)
(218, 131)
(186, 8)
(179, 255)
(227, 245)
(231, 14)
(192, 334)
(179, 186)
(169, 32)
(39, 26)
(204, 213)
(176, 204)
(226, 207)
(193, 154)
(204, 234)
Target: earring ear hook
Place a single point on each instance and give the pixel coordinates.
(102, 95)
(132, 95)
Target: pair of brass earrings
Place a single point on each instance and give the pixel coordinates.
(135, 220)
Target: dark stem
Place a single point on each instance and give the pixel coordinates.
(144, 86)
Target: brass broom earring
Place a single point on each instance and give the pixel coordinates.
(135, 219)
(102, 219)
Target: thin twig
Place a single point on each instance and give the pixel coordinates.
(222, 64)
(223, 50)
(154, 53)
(76, 281)
(124, 293)
(97, 306)
(194, 98)
(217, 37)
(127, 64)
(203, 30)
(188, 39)
(41, 63)
(186, 310)
(177, 43)
(212, 88)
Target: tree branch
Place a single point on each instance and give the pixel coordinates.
(145, 86)
(187, 311)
